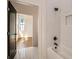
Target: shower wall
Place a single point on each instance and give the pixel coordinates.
(66, 29)
(59, 27)
(53, 24)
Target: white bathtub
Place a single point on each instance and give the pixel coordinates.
(53, 55)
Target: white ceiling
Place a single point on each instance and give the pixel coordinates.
(25, 9)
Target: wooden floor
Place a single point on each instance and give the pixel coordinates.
(26, 52)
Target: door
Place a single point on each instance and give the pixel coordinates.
(11, 31)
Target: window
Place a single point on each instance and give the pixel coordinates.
(21, 23)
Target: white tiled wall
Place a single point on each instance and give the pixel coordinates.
(56, 26)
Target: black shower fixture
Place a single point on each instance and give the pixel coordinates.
(55, 38)
(55, 9)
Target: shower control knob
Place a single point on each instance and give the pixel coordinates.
(56, 44)
(55, 9)
(55, 38)
(55, 47)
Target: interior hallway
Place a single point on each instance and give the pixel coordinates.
(25, 50)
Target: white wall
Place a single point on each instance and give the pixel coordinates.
(35, 29)
(28, 25)
(56, 26)
(53, 21)
(66, 29)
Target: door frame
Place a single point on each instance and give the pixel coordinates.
(10, 8)
(42, 47)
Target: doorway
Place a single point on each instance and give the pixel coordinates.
(27, 31)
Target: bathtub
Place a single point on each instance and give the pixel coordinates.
(53, 55)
